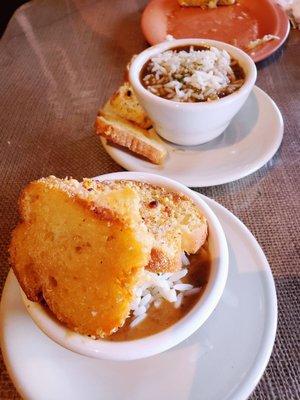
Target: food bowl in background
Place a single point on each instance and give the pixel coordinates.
(191, 123)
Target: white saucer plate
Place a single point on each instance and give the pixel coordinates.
(224, 359)
(250, 141)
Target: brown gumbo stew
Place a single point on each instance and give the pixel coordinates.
(192, 74)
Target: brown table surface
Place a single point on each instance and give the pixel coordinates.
(59, 60)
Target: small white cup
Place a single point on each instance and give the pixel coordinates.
(191, 123)
(164, 340)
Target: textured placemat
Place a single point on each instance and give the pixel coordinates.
(59, 60)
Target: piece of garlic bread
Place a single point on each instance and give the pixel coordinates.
(125, 104)
(81, 251)
(124, 133)
(175, 222)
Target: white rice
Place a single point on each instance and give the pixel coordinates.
(154, 288)
(190, 76)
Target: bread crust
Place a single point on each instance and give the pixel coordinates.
(135, 139)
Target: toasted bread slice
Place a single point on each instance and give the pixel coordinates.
(81, 251)
(173, 219)
(125, 104)
(123, 133)
(205, 3)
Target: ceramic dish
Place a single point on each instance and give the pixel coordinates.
(191, 123)
(237, 25)
(224, 359)
(186, 326)
(252, 138)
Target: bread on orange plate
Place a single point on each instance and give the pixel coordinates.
(206, 3)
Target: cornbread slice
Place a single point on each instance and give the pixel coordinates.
(123, 121)
(206, 3)
(126, 105)
(80, 250)
(124, 133)
(175, 222)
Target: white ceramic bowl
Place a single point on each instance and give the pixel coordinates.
(191, 123)
(164, 340)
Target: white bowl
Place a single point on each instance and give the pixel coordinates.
(191, 123)
(164, 340)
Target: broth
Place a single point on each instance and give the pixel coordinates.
(166, 315)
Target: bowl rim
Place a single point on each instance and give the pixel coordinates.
(170, 337)
(140, 60)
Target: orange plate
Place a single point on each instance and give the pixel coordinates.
(237, 24)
